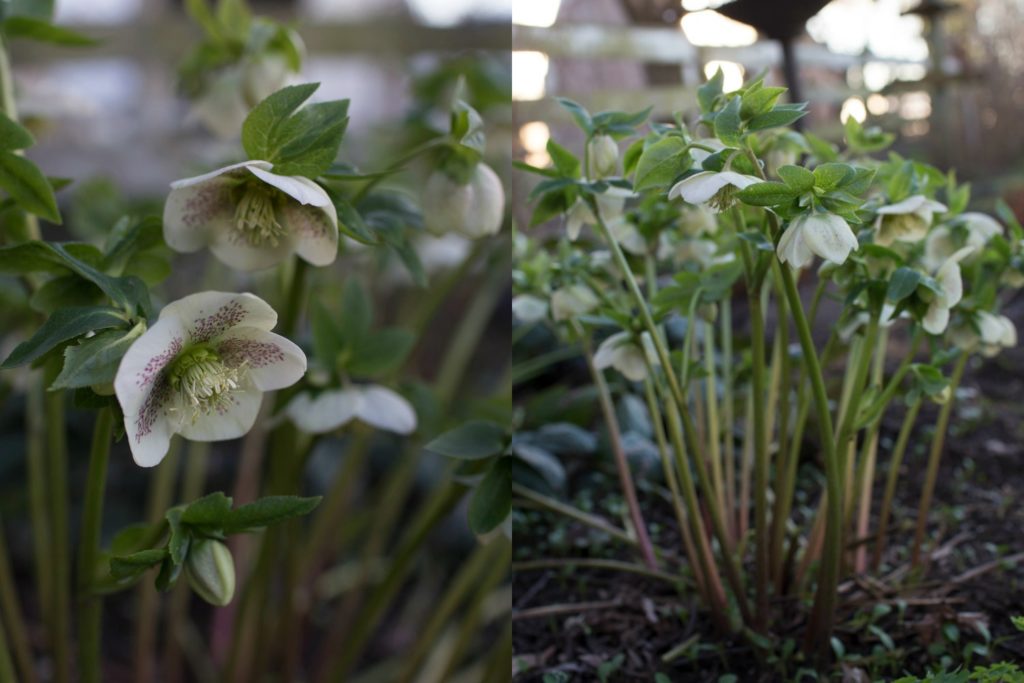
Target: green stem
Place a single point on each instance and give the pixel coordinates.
(90, 606)
(13, 617)
(57, 464)
(394, 167)
(847, 427)
(891, 479)
(619, 453)
(934, 456)
(39, 499)
(295, 296)
(728, 415)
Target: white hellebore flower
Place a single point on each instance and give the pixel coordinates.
(603, 155)
(951, 284)
(251, 218)
(620, 351)
(572, 301)
(234, 90)
(824, 234)
(906, 221)
(201, 370)
(694, 220)
(373, 404)
(716, 190)
(995, 332)
(939, 244)
(528, 308)
(610, 204)
(474, 209)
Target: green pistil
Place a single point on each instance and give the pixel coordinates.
(256, 216)
(202, 381)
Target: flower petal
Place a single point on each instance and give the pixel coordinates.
(301, 189)
(607, 351)
(698, 188)
(207, 315)
(143, 392)
(200, 179)
(739, 179)
(980, 227)
(272, 362)
(236, 253)
(325, 412)
(908, 205)
(829, 236)
(194, 212)
(386, 409)
(630, 362)
(936, 319)
(231, 421)
(314, 230)
(792, 248)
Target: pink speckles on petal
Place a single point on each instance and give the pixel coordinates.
(204, 204)
(152, 407)
(255, 354)
(150, 372)
(209, 326)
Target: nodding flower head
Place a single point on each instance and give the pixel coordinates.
(474, 209)
(251, 218)
(822, 234)
(201, 370)
(717, 191)
(906, 221)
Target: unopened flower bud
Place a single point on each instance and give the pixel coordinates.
(603, 153)
(473, 210)
(210, 571)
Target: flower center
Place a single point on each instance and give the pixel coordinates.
(203, 382)
(256, 218)
(724, 198)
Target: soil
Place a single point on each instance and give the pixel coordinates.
(976, 519)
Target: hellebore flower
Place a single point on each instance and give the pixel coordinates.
(474, 209)
(716, 190)
(694, 220)
(210, 571)
(611, 203)
(528, 308)
(951, 285)
(687, 250)
(373, 404)
(620, 351)
(251, 218)
(225, 102)
(201, 371)
(994, 333)
(941, 243)
(603, 156)
(572, 301)
(906, 221)
(824, 234)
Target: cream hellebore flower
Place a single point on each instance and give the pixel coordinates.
(373, 404)
(824, 234)
(603, 156)
(621, 351)
(695, 220)
(951, 286)
(716, 190)
(201, 370)
(572, 301)
(906, 221)
(687, 250)
(528, 308)
(251, 218)
(235, 90)
(610, 204)
(995, 332)
(940, 243)
(474, 209)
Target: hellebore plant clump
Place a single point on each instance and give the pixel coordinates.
(738, 205)
(197, 368)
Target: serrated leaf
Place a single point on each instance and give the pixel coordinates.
(565, 162)
(94, 360)
(766, 194)
(210, 510)
(661, 163)
(902, 283)
(43, 31)
(267, 512)
(783, 115)
(579, 114)
(492, 500)
(381, 352)
(261, 126)
(707, 93)
(27, 186)
(727, 123)
(307, 142)
(796, 177)
(65, 324)
(129, 566)
(473, 440)
(759, 100)
(832, 175)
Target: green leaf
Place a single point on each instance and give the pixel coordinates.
(579, 114)
(832, 175)
(177, 544)
(267, 511)
(64, 324)
(350, 221)
(128, 238)
(307, 143)
(565, 161)
(759, 100)
(13, 135)
(902, 283)
(822, 149)
(210, 510)
(661, 163)
(381, 352)
(43, 31)
(767, 194)
(328, 338)
(31, 257)
(727, 123)
(94, 360)
(130, 566)
(797, 178)
(782, 115)
(260, 129)
(356, 313)
(707, 93)
(27, 186)
(492, 500)
(473, 440)
(758, 239)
